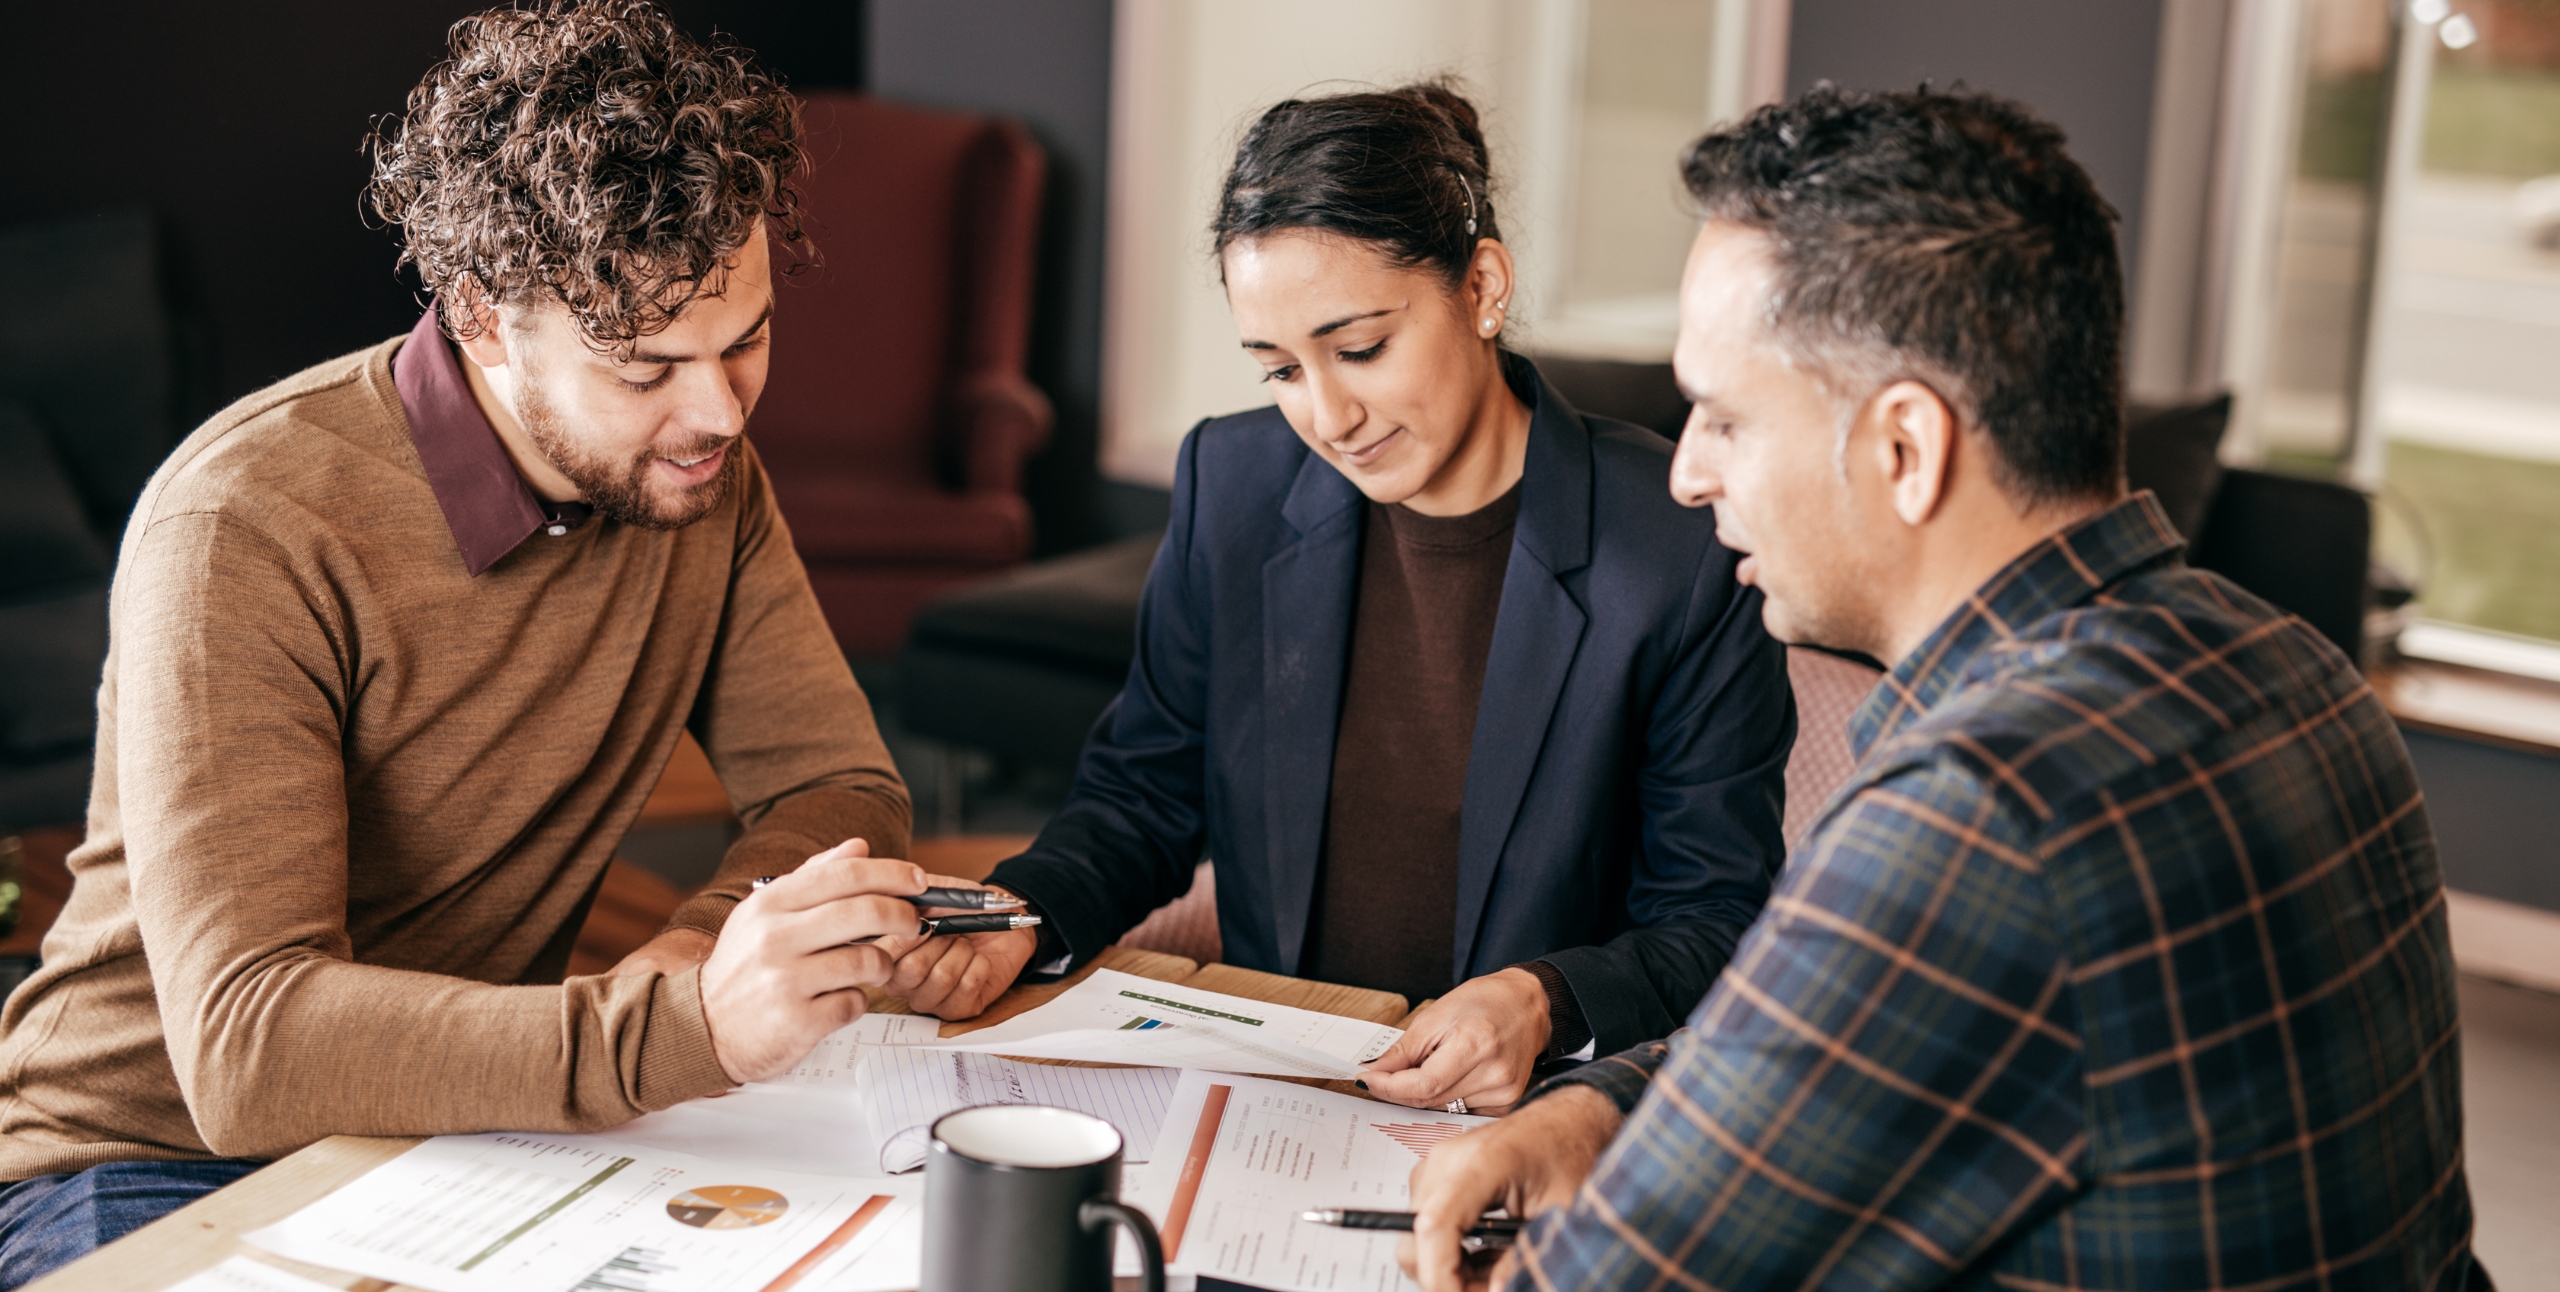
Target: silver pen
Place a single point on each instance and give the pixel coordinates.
(958, 899)
(981, 899)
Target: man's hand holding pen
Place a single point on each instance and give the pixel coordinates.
(961, 909)
(793, 958)
(790, 965)
(1525, 1164)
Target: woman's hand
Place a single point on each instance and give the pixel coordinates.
(956, 977)
(1478, 1043)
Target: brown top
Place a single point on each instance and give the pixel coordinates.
(1386, 908)
(353, 800)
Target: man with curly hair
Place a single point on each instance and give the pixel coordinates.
(401, 645)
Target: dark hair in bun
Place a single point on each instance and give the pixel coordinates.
(1403, 170)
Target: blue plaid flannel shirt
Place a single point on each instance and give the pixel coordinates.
(2119, 962)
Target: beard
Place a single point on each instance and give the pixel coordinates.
(627, 491)
(1818, 591)
(1799, 622)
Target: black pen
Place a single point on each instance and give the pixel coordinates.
(926, 928)
(955, 924)
(1491, 1231)
(976, 923)
(958, 899)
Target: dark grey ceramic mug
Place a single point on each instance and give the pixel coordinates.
(1021, 1198)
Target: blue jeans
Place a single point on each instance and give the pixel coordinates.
(52, 1220)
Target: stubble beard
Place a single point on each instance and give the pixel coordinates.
(622, 491)
(1834, 614)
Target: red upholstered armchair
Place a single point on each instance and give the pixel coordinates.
(897, 418)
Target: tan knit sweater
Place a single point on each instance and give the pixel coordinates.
(351, 803)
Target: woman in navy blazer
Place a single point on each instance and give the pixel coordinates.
(1622, 790)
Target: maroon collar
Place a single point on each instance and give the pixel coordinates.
(489, 507)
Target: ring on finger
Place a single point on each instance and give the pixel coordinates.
(1458, 1106)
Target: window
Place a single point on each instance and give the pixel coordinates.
(2303, 412)
(2464, 423)
(1646, 67)
(2412, 331)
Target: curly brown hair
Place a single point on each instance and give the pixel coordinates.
(590, 151)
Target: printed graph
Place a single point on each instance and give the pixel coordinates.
(628, 1272)
(727, 1206)
(1420, 1137)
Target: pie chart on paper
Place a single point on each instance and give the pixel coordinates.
(727, 1206)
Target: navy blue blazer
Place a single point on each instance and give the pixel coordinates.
(1624, 789)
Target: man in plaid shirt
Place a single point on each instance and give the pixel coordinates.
(2120, 961)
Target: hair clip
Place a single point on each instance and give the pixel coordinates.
(1471, 200)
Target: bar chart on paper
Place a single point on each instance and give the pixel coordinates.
(1240, 1159)
(1114, 1017)
(1418, 1138)
(470, 1215)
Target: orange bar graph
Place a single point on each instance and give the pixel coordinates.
(834, 1243)
(1195, 1164)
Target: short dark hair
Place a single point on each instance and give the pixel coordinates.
(1403, 170)
(590, 151)
(1945, 237)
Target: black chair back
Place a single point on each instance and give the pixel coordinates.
(2303, 544)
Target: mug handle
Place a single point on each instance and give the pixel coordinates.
(1097, 1213)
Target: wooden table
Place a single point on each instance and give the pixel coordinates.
(206, 1232)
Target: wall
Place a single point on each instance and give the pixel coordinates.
(2159, 102)
(1189, 77)
(1046, 63)
(2089, 65)
(241, 127)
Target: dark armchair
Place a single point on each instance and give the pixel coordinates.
(97, 375)
(897, 418)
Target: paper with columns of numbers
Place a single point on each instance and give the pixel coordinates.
(480, 1213)
(833, 1061)
(905, 1089)
(1239, 1159)
(1113, 1017)
(808, 1119)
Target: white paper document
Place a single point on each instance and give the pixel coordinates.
(808, 1119)
(1113, 1017)
(570, 1213)
(819, 1130)
(833, 1061)
(904, 1089)
(1240, 1158)
(242, 1274)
